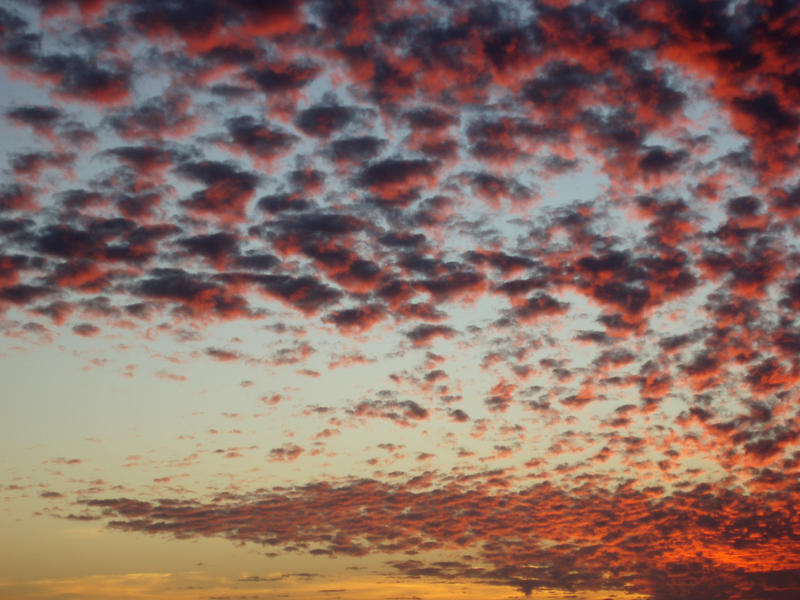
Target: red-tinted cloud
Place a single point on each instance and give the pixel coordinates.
(591, 209)
(661, 545)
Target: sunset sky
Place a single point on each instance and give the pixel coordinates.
(399, 300)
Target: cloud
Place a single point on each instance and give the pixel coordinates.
(604, 539)
(424, 334)
(590, 209)
(227, 193)
(82, 80)
(163, 116)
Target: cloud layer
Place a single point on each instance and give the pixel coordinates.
(598, 200)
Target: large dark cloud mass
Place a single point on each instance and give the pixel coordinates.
(602, 196)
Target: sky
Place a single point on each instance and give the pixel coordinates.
(402, 300)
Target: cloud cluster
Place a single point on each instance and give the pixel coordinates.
(419, 173)
(706, 541)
